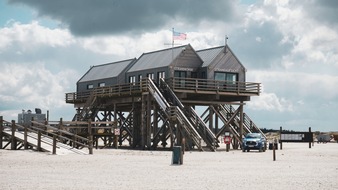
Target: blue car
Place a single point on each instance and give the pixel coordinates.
(254, 141)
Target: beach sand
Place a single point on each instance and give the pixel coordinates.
(296, 167)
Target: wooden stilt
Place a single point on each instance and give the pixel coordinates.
(1, 130)
(13, 141)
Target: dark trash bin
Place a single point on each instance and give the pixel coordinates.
(271, 146)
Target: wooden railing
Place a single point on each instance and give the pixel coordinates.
(214, 85)
(177, 84)
(57, 131)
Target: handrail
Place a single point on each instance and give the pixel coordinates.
(48, 132)
(168, 109)
(214, 85)
(193, 113)
(157, 95)
(192, 84)
(172, 94)
(194, 134)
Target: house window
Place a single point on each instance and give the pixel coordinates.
(151, 76)
(102, 84)
(132, 79)
(181, 75)
(194, 75)
(160, 75)
(139, 78)
(203, 75)
(229, 77)
(90, 86)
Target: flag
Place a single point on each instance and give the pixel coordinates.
(179, 36)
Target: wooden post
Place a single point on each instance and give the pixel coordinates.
(90, 137)
(241, 116)
(143, 120)
(115, 127)
(39, 137)
(148, 123)
(25, 137)
(60, 128)
(116, 138)
(96, 143)
(13, 142)
(274, 149)
(39, 141)
(211, 121)
(216, 121)
(312, 138)
(54, 144)
(1, 130)
(280, 137)
(183, 149)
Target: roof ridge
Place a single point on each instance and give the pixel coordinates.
(104, 64)
(165, 49)
(211, 48)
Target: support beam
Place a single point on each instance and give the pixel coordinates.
(144, 121)
(211, 121)
(148, 123)
(13, 140)
(1, 131)
(241, 120)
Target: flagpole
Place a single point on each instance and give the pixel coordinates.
(172, 46)
(172, 42)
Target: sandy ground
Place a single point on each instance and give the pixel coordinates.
(296, 167)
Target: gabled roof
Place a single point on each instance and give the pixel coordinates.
(208, 55)
(157, 59)
(104, 71)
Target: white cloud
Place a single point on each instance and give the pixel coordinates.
(315, 42)
(297, 84)
(270, 102)
(31, 35)
(32, 85)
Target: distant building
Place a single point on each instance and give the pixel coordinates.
(25, 118)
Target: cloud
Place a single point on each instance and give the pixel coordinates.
(297, 85)
(32, 85)
(270, 102)
(325, 11)
(87, 17)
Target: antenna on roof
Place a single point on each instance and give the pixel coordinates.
(226, 43)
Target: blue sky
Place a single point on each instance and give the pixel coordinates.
(289, 46)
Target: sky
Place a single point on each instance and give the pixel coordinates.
(289, 46)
